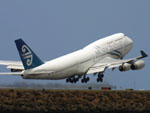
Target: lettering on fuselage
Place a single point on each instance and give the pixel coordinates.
(27, 55)
(110, 46)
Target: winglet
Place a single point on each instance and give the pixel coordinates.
(143, 54)
(29, 58)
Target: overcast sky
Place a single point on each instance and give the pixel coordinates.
(54, 28)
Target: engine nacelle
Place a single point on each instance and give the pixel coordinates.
(138, 65)
(125, 67)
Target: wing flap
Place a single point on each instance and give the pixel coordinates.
(96, 69)
(114, 66)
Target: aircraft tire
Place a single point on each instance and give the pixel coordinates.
(67, 80)
(87, 78)
(71, 81)
(99, 75)
(98, 79)
(101, 80)
(85, 81)
(82, 80)
(77, 79)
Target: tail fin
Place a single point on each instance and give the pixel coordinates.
(29, 58)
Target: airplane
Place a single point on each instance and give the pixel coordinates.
(95, 58)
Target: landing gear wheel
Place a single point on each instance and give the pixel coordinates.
(101, 79)
(100, 75)
(67, 80)
(85, 81)
(88, 78)
(97, 79)
(82, 80)
(71, 80)
(77, 79)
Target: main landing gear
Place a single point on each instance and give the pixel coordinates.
(85, 79)
(75, 79)
(100, 77)
(72, 79)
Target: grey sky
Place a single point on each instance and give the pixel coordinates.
(53, 28)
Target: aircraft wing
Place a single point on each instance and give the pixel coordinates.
(109, 62)
(12, 64)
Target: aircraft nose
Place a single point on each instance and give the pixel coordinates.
(129, 40)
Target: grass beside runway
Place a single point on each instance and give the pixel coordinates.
(73, 101)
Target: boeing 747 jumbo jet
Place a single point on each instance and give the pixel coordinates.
(93, 59)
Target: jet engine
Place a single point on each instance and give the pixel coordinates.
(138, 65)
(125, 67)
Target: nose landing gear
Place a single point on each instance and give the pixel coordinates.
(100, 77)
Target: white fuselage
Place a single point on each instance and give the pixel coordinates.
(78, 62)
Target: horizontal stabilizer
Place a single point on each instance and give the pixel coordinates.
(144, 54)
(11, 73)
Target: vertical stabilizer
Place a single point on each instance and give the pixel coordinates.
(29, 58)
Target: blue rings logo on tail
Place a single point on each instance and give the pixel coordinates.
(27, 55)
